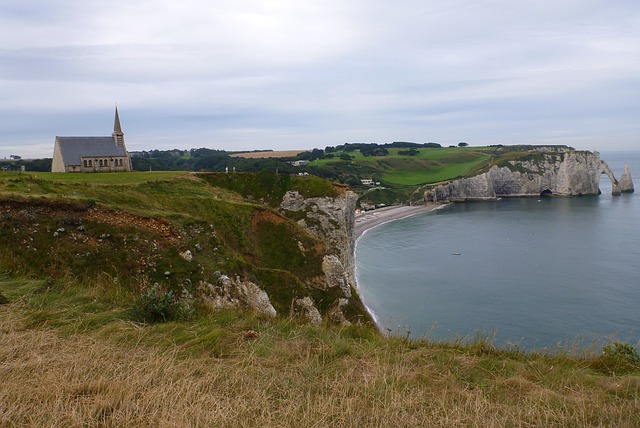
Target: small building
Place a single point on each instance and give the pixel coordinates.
(367, 182)
(300, 163)
(92, 154)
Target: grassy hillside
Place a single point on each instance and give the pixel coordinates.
(88, 261)
(427, 165)
(71, 357)
(130, 230)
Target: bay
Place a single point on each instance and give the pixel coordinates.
(529, 272)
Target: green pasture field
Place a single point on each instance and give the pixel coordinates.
(433, 175)
(430, 165)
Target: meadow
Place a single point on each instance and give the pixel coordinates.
(74, 357)
(428, 166)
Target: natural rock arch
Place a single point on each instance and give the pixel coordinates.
(615, 186)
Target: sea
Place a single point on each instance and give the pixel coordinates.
(527, 273)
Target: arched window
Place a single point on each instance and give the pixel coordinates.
(90, 162)
(85, 163)
(121, 164)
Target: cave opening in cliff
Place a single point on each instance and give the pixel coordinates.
(546, 193)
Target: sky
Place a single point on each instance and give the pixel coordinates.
(291, 74)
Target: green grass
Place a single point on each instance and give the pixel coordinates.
(117, 178)
(434, 174)
(430, 165)
(95, 228)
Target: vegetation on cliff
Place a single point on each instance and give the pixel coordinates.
(190, 234)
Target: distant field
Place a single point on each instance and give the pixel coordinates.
(430, 165)
(273, 154)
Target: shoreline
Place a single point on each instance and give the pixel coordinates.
(370, 219)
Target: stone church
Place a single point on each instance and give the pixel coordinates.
(92, 154)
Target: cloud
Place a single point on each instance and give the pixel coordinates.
(290, 74)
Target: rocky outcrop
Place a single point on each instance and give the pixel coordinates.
(309, 311)
(238, 292)
(626, 183)
(332, 221)
(543, 171)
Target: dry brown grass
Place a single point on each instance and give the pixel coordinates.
(119, 376)
(271, 154)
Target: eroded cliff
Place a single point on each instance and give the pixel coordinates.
(541, 171)
(278, 244)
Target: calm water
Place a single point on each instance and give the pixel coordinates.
(529, 272)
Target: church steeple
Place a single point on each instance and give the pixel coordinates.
(118, 135)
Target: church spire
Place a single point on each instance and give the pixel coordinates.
(118, 135)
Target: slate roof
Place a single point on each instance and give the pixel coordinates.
(71, 148)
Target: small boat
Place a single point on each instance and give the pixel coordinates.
(455, 254)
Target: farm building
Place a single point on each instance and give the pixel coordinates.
(92, 154)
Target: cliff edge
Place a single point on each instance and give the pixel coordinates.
(542, 171)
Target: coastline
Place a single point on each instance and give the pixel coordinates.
(370, 219)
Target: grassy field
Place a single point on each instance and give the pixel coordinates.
(73, 357)
(110, 178)
(430, 165)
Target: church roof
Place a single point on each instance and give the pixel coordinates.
(73, 148)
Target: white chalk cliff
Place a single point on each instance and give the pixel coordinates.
(542, 171)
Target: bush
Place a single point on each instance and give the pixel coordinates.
(155, 305)
(621, 351)
(617, 358)
(3, 299)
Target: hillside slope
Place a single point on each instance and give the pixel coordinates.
(219, 238)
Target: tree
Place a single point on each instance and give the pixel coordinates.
(462, 144)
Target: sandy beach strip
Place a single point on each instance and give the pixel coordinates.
(373, 218)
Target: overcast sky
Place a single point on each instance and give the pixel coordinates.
(292, 74)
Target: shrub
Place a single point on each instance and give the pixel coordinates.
(155, 305)
(3, 299)
(621, 351)
(617, 358)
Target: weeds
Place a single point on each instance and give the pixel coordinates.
(156, 304)
(617, 358)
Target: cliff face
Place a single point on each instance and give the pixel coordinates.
(543, 171)
(330, 220)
